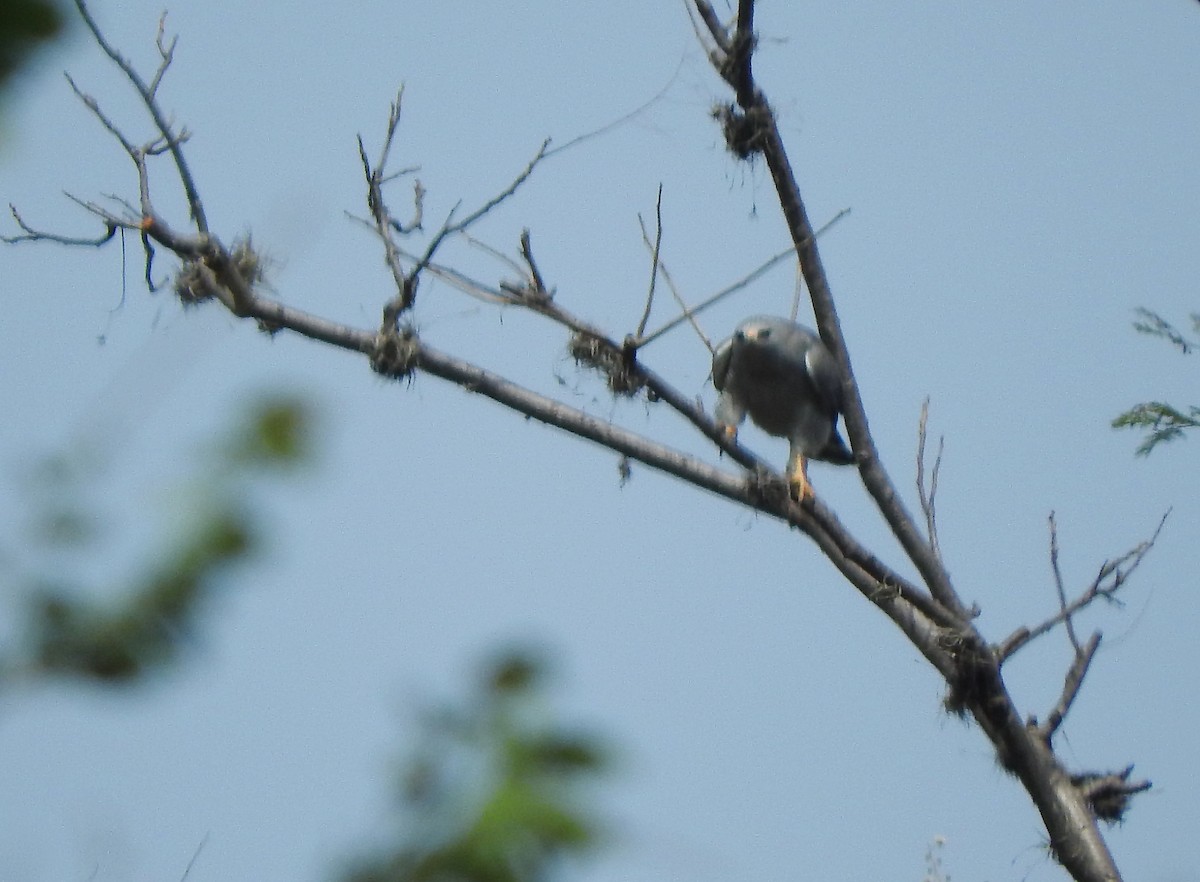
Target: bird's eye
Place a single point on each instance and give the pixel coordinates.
(764, 333)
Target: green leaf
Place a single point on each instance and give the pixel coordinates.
(276, 432)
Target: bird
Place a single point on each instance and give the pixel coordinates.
(782, 375)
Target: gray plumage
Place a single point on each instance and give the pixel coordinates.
(782, 376)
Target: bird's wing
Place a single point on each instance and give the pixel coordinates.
(823, 371)
(721, 359)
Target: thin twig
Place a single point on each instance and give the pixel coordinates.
(741, 283)
(654, 259)
(624, 118)
(1058, 586)
(928, 494)
(688, 313)
(165, 53)
(1071, 685)
(195, 855)
(495, 253)
(31, 234)
(797, 293)
(94, 106)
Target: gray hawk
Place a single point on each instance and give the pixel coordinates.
(781, 374)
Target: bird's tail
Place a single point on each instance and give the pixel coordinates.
(836, 451)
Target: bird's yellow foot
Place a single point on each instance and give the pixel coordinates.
(798, 482)
(730, 433)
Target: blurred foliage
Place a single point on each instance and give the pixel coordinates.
(1161, 421)
(493, 792)
(121, 633)
(24, 24)
(1155, 325)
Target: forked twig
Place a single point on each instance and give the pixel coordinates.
(148, 93)
(637, 343)
(1112, 576)
(449, 226)
(377, 176)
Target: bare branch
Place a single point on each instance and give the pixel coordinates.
(148, 95)
(894, 599)
(1112, 576)
(449, 228)
(31, 234)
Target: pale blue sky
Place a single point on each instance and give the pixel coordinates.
(1021, 177)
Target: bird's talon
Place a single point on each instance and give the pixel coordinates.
(801, 490)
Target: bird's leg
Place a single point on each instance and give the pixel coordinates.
(729, 415)
(797, 475)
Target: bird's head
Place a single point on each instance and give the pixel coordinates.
(756, 333)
